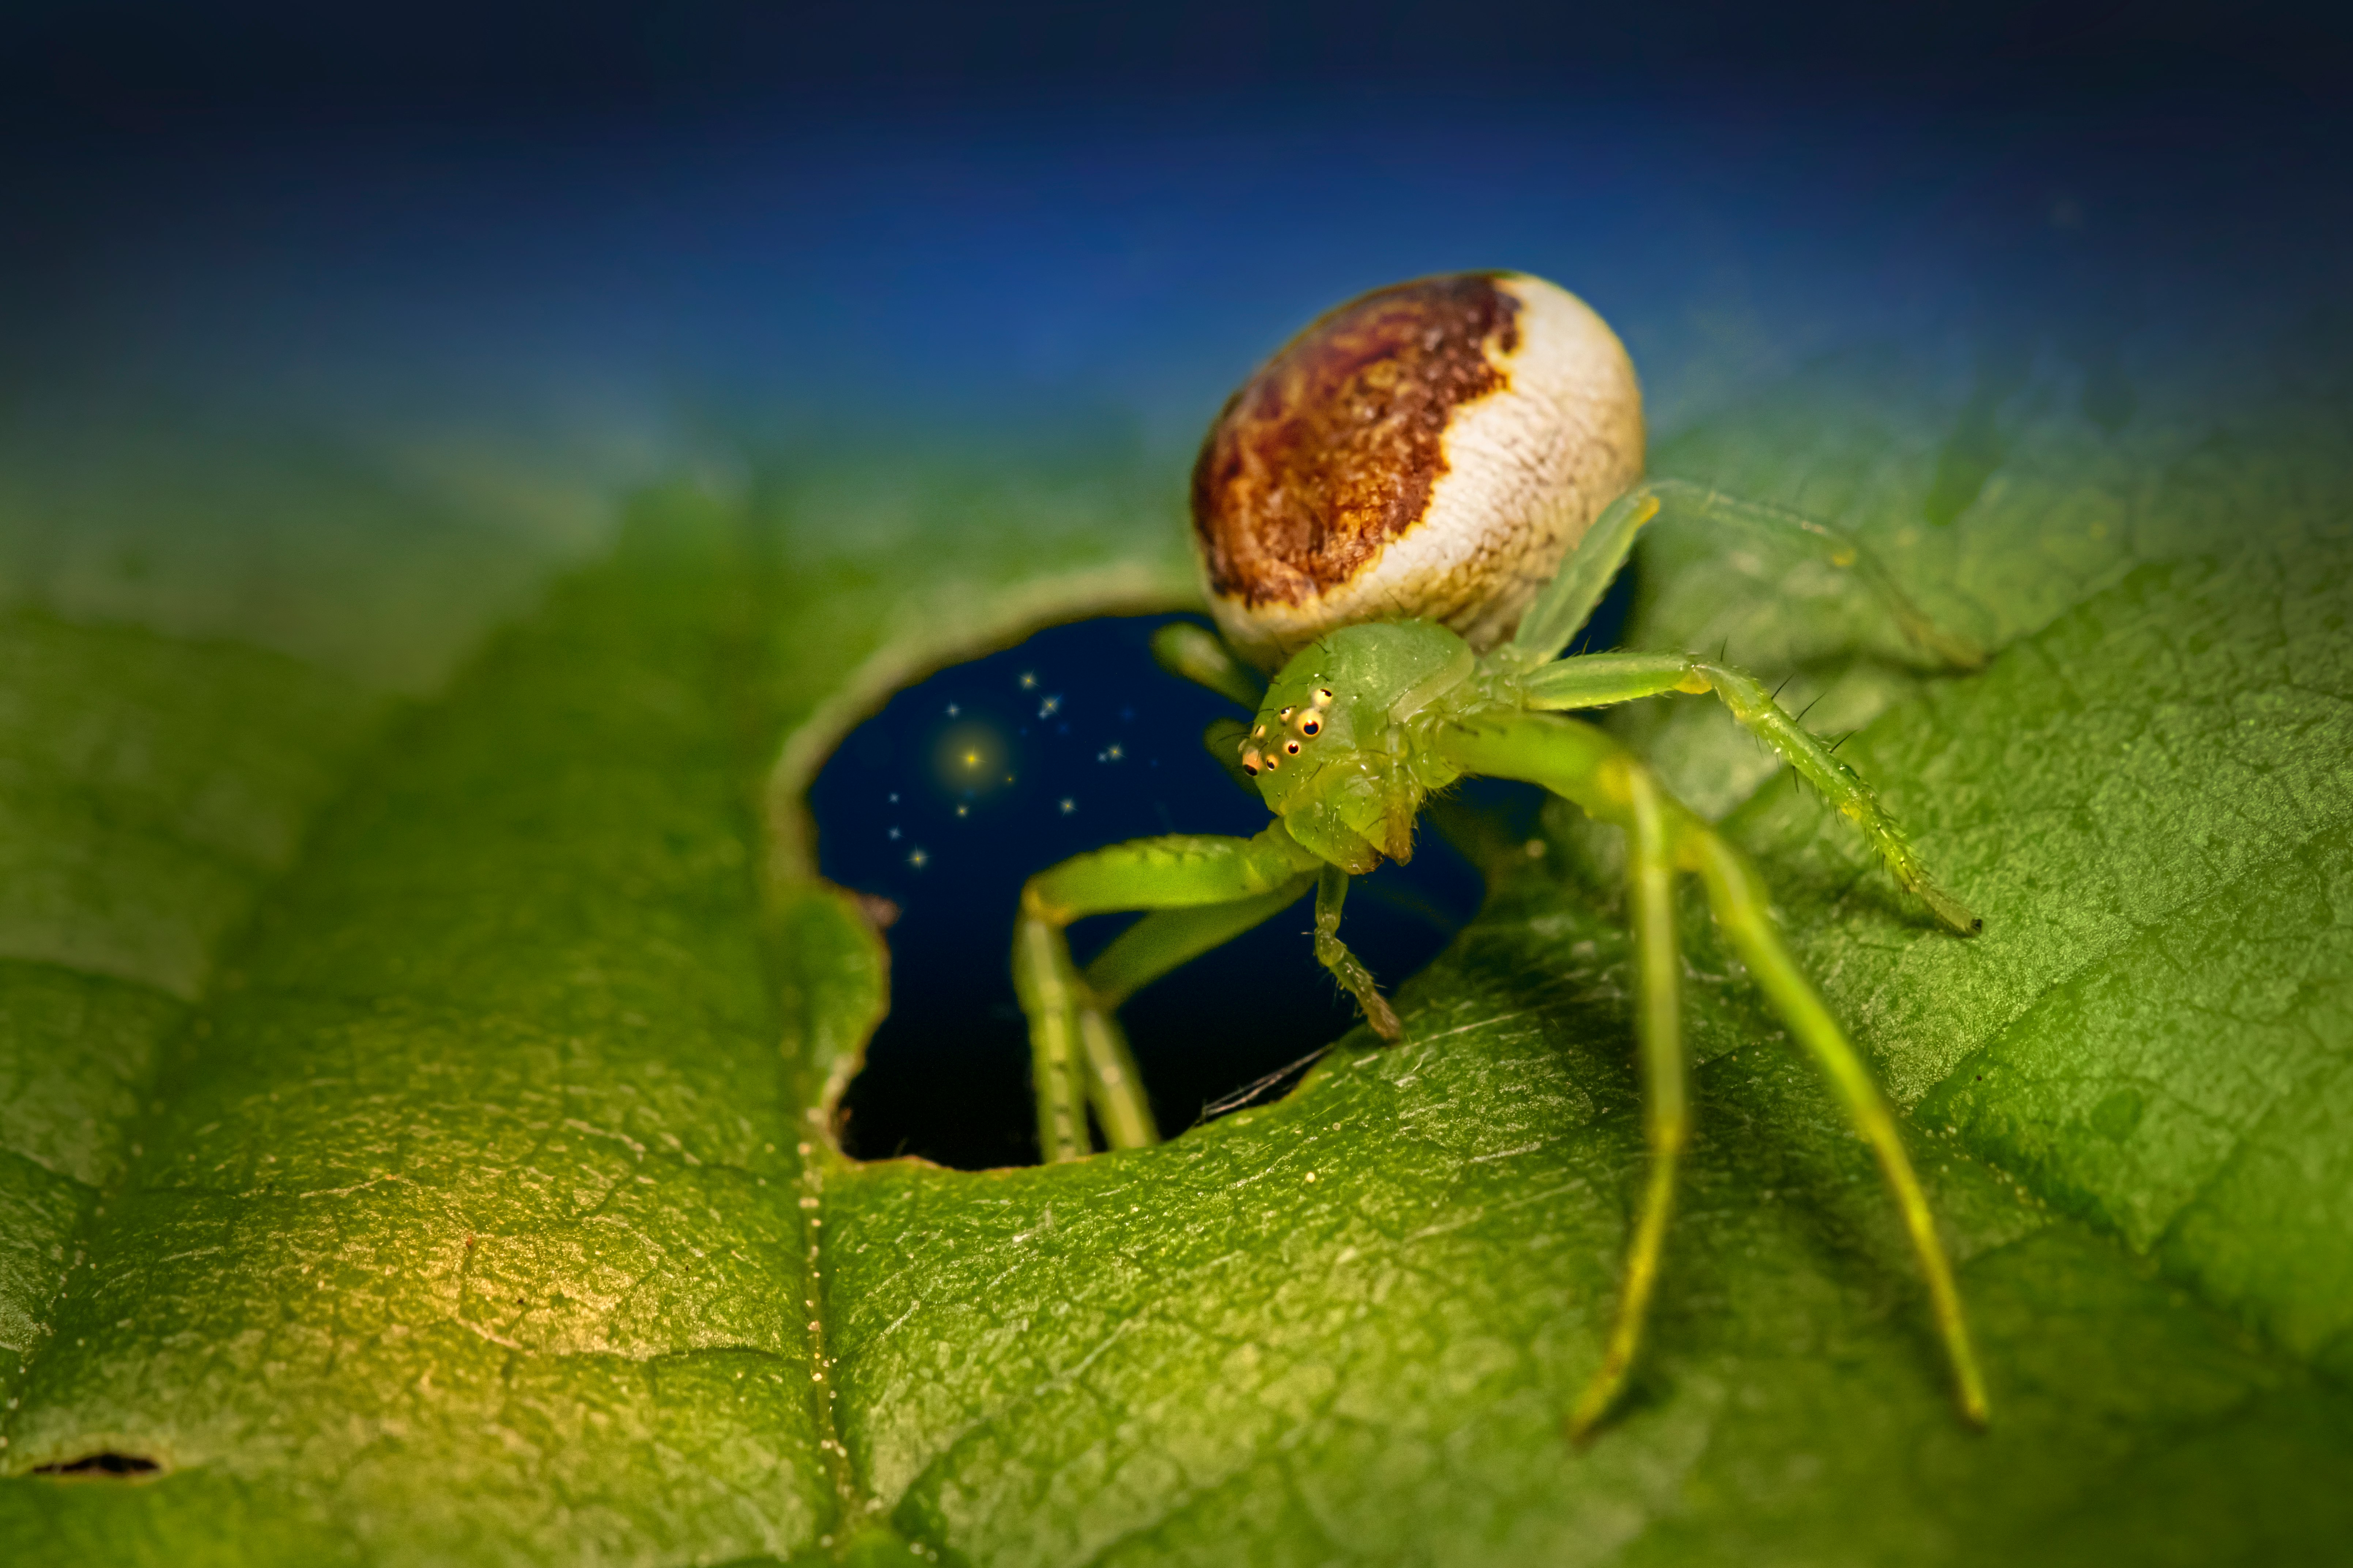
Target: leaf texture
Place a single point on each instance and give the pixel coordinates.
(414, 1126)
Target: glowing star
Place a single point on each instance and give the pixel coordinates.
(918, 859)
(1028, 681)
(1051, 706)
(1068, 806)
(963, 811)
(969, 760)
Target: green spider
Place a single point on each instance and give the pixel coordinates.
(1403, 514)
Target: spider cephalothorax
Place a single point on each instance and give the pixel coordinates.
(1336, 750)
(1409, 509)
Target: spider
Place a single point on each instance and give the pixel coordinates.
(1405, 516)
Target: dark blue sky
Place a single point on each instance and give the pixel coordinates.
(873, 215)
(139, 66)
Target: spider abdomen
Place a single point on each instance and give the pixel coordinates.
(1430, 449)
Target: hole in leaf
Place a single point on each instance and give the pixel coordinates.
(967, 784)
(106, 1464)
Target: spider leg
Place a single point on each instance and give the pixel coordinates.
(1587, 766)
(1200, 656)
(1331, 891)
(1183, 648)
(1142, 953)
(1737, 895)
(1827, 544)
(1564, 605)
(1220, 887)
(1666, 1116)
(1044, 979)
(1165, 939)
(1115, 1087)
(1596, 681)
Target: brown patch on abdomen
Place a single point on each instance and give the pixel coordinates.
(1330, 450)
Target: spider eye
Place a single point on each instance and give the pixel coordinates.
(1309, 726)
(1291, 746)
(1284, 714)
(1322, 694)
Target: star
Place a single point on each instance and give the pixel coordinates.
(919, 859)
(1068, 806)
(1028, 681)
(1051, 706)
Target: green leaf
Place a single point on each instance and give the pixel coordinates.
(399, 1153)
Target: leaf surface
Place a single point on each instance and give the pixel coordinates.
(406, 1163)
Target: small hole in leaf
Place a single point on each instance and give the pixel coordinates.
(1073, 741)
(102, 1465)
